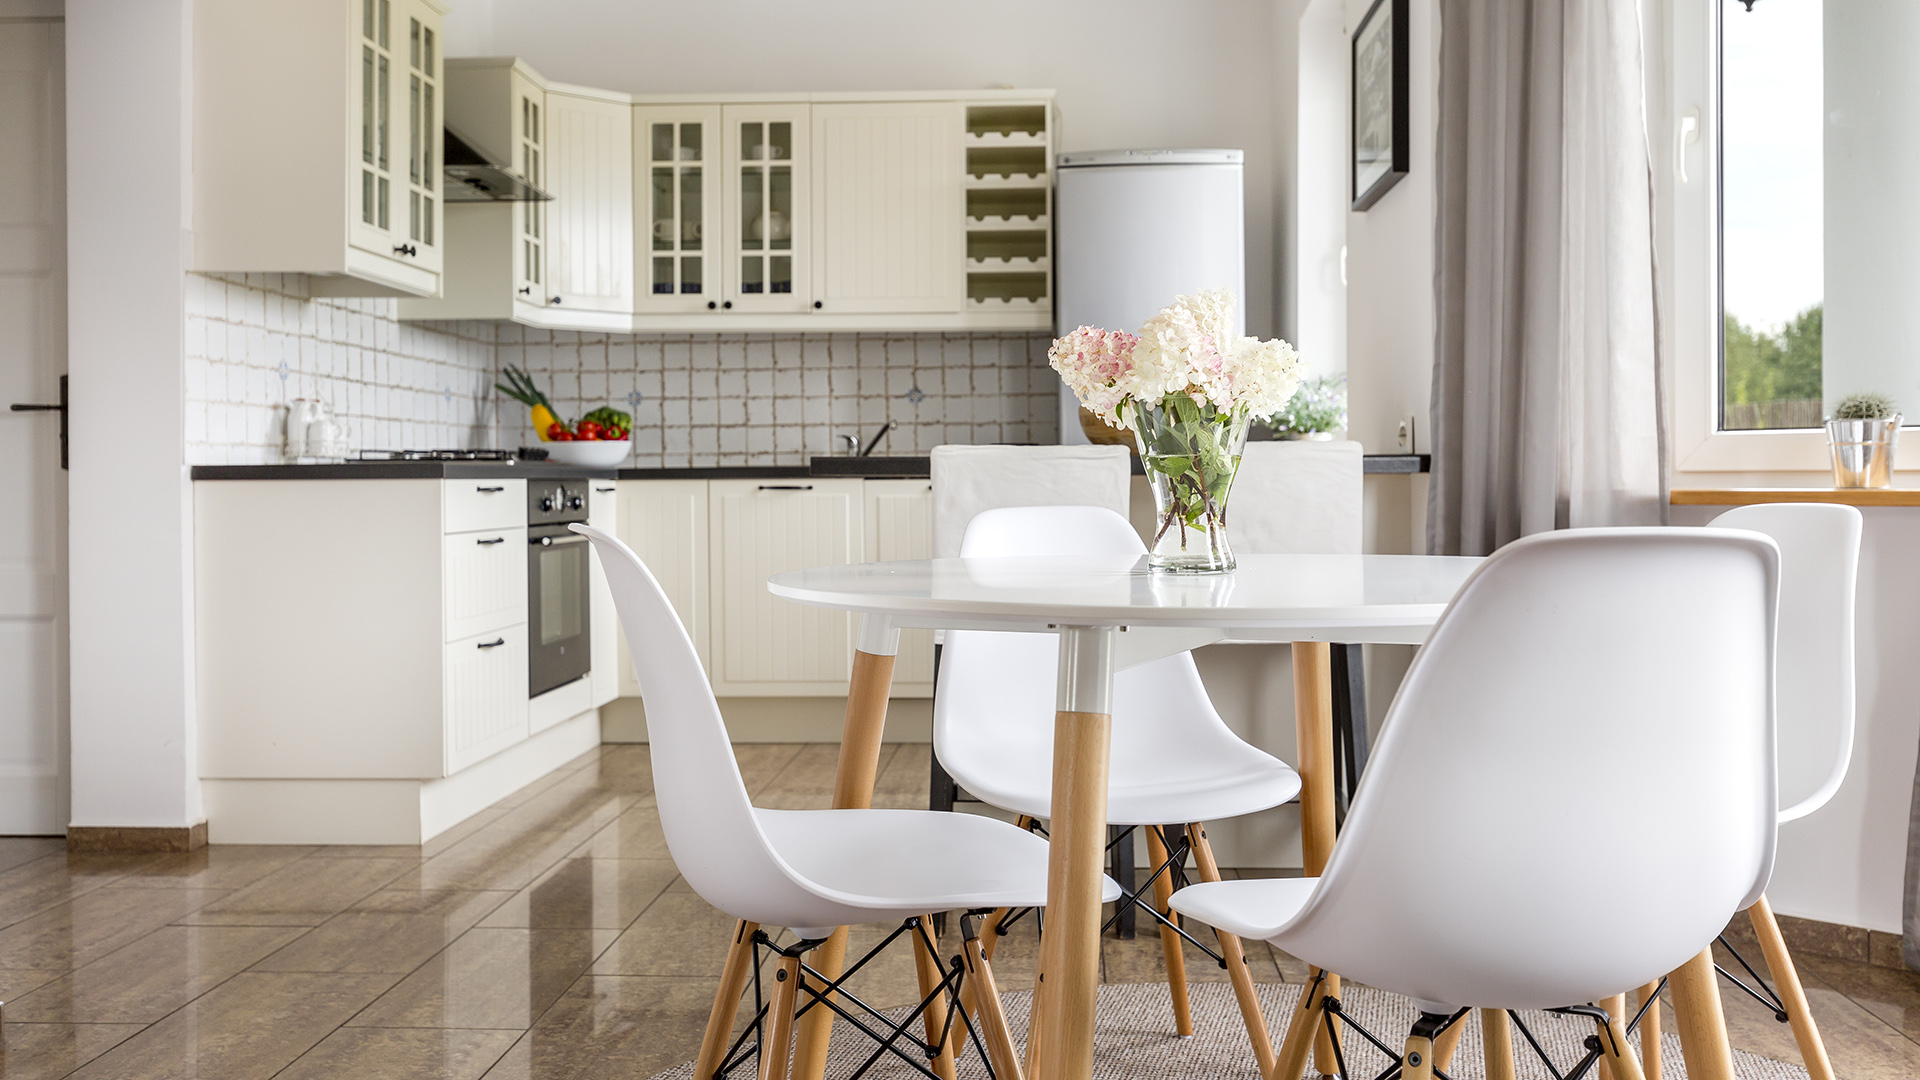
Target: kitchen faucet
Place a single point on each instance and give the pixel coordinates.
(877, 436)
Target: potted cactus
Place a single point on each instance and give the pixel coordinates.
(1862, 434)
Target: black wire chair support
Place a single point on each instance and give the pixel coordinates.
(818, 990)
(1765, 995)
(1432, 1025)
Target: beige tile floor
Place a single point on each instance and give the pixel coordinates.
(549, 937)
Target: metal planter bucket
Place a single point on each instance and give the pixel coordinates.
(1863, 452)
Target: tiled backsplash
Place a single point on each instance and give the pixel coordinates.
(257, 341)
(776, 399)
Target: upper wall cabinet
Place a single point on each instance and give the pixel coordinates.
(765, 209)
(887, 207)
(317, 142)
(676, 195)
(589, 234)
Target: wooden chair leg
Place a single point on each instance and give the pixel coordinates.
(927, 964)
(1291, 1062)
(777, 1049)
(1786, 980)
(982, 996)
(1417, 1059)
(1616, 1053)
(726, 1000)
(991, 931)
(1236, 958)
(1698, 1017)
(1170, 943)
(1649, 1000)
(1496, 1044)
(1616, 1008)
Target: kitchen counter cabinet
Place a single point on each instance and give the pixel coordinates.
(899, 525)
(362, 658)
(762, 645)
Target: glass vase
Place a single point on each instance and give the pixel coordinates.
(1191, 453)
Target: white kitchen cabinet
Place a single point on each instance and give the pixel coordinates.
(486, 694)
(764, 223)
(603, 512)
(676, 198)
(317, 142)
(763, 645)
(590, 221)
(899, 525)
(888, 207)
(665, 523)
(485, 580)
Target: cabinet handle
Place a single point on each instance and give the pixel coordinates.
(816, 305)
(489, 490)
(490, 543)
(494, 644)
(728, 305)
(553, 300)
(405, 249)
(711, 305)
(526, 290)
(606, 491)
(786, 487)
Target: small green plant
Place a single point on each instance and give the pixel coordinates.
(1319, 405)
(1864, 407)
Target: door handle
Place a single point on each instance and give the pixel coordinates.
(34, 406)
(494, 644)
(489, 490)
(495, 540)
(786, 487)
(605, 491)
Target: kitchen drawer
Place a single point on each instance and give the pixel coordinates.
(484, 577)
(485, 679)
(483, 504)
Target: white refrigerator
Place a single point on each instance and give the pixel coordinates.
(1135, 228)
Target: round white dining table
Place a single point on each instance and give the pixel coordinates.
(1112, 613)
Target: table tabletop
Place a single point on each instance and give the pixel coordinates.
(1299, 597)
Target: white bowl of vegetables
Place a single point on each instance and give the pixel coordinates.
(600, 439)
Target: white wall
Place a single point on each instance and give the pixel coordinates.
(1130, 73)
(130, 514)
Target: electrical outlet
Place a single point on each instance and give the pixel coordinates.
(1404, 437)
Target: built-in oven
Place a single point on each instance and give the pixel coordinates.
(558, 648)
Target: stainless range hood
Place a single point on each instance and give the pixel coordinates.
(471, 177)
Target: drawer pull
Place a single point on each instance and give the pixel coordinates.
(494, 644)
(786, 487)
(489, 490)
(606, 491)
(495, 540)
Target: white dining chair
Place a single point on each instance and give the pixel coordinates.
(1814, 693)
(811, 871)
(1572, 793)
(1173, 760)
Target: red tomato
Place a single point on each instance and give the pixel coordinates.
(563, 435)
(555, 429)
(612, 433)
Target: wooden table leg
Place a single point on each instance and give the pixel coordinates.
(1698, 1017)
(1076, 859)
(1313, 733)
(852, 790)
(1786, 980)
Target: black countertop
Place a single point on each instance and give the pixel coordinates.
(868, 468)
(406, 470)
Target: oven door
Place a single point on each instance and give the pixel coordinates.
(558, 649)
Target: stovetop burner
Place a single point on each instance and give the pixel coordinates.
(435, 455)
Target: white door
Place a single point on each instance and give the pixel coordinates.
(763, 645)
(33, 355)
(887, 207)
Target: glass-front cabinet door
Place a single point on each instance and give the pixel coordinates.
(422, 244)
(767, 212)
(376, 187)
(677, 208)
(530, 218)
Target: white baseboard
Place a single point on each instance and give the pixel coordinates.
(403, 811)
(778, 719)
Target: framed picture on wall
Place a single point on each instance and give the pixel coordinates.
(1381, 149)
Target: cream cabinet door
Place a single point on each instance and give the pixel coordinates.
(590, 221)
(764, 645)
(888, 207)
(485, 679)
(676, 201)
(603, 512)
(379, 150)
(529, 123)
(419, 98)
(764, 213)
(665, 523)
(899, 525)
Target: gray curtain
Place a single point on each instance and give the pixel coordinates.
(1546, 409)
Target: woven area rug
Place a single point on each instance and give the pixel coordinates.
(1135, 1039)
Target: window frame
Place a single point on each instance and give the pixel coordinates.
(1698, 444)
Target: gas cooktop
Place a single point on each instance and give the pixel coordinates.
(434, 455)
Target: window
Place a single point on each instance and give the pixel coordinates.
(1771, 227)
